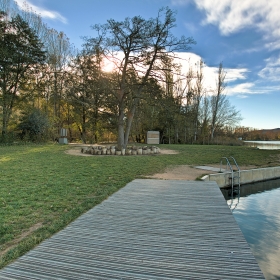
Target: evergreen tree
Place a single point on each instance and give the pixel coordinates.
(20, 53)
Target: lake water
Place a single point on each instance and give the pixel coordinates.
(257, 212)
(264, 142)
(266, 145)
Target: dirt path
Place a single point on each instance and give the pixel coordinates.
(181, 172)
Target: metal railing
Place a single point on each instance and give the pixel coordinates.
(235, 174)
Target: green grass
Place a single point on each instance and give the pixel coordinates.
(45, 187)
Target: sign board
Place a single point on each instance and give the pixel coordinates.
(63, 136)
(153, 137)
(63, 132)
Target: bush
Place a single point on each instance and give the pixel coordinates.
(224, 140)
(8, 139)
(34, 126)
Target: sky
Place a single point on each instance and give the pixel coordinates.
(244, 35)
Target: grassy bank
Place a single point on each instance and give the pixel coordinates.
(42, 189)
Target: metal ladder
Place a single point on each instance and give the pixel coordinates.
(234, 175)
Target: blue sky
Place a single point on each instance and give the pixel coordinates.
(242, 34)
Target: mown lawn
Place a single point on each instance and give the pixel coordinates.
(42, 188)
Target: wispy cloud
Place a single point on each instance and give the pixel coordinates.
(192, 28)
(231, 16)
(271, 71)
(233, 74)
(244, 90)
(242, 96)
(241, 90)
(181, 2)
(44, 13)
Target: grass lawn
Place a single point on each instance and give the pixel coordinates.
(42, 189)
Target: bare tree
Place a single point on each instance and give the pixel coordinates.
(205, 118)
(217, 98)
(223, 113)
(59, 53)
(5, 6)
(198, 91)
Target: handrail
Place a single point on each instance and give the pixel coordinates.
(228, 164)
(232, 172)
(239, 173)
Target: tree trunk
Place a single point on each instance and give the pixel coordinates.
(8, 101)
(121, 144)
(130, 116)
(82, 133)
(4, 123)
(212, 133)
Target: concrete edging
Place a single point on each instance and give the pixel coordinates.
(246, 176)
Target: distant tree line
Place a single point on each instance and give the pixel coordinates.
(46, 84)
(252, 134)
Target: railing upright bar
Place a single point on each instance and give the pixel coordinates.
(231, 170)
(232, 177)
(239, 173)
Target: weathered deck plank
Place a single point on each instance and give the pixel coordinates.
(151, 229)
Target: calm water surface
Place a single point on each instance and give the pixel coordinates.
(257, 212)
(264, 142)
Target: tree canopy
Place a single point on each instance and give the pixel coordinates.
(46, 84)
(20, 53)
(145, 48)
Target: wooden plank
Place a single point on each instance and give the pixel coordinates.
(151, 229)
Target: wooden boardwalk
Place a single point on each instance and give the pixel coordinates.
(150, 229)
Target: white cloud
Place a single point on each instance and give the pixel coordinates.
(271, 71)
(188, 60)
(235, 74)
(241, 90)
(273, 45)
(191, 61)
(242, 96)
(44, 13)
(234, 15)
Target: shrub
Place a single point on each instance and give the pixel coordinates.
(34, 125)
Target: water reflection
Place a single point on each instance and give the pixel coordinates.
(257, 212)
